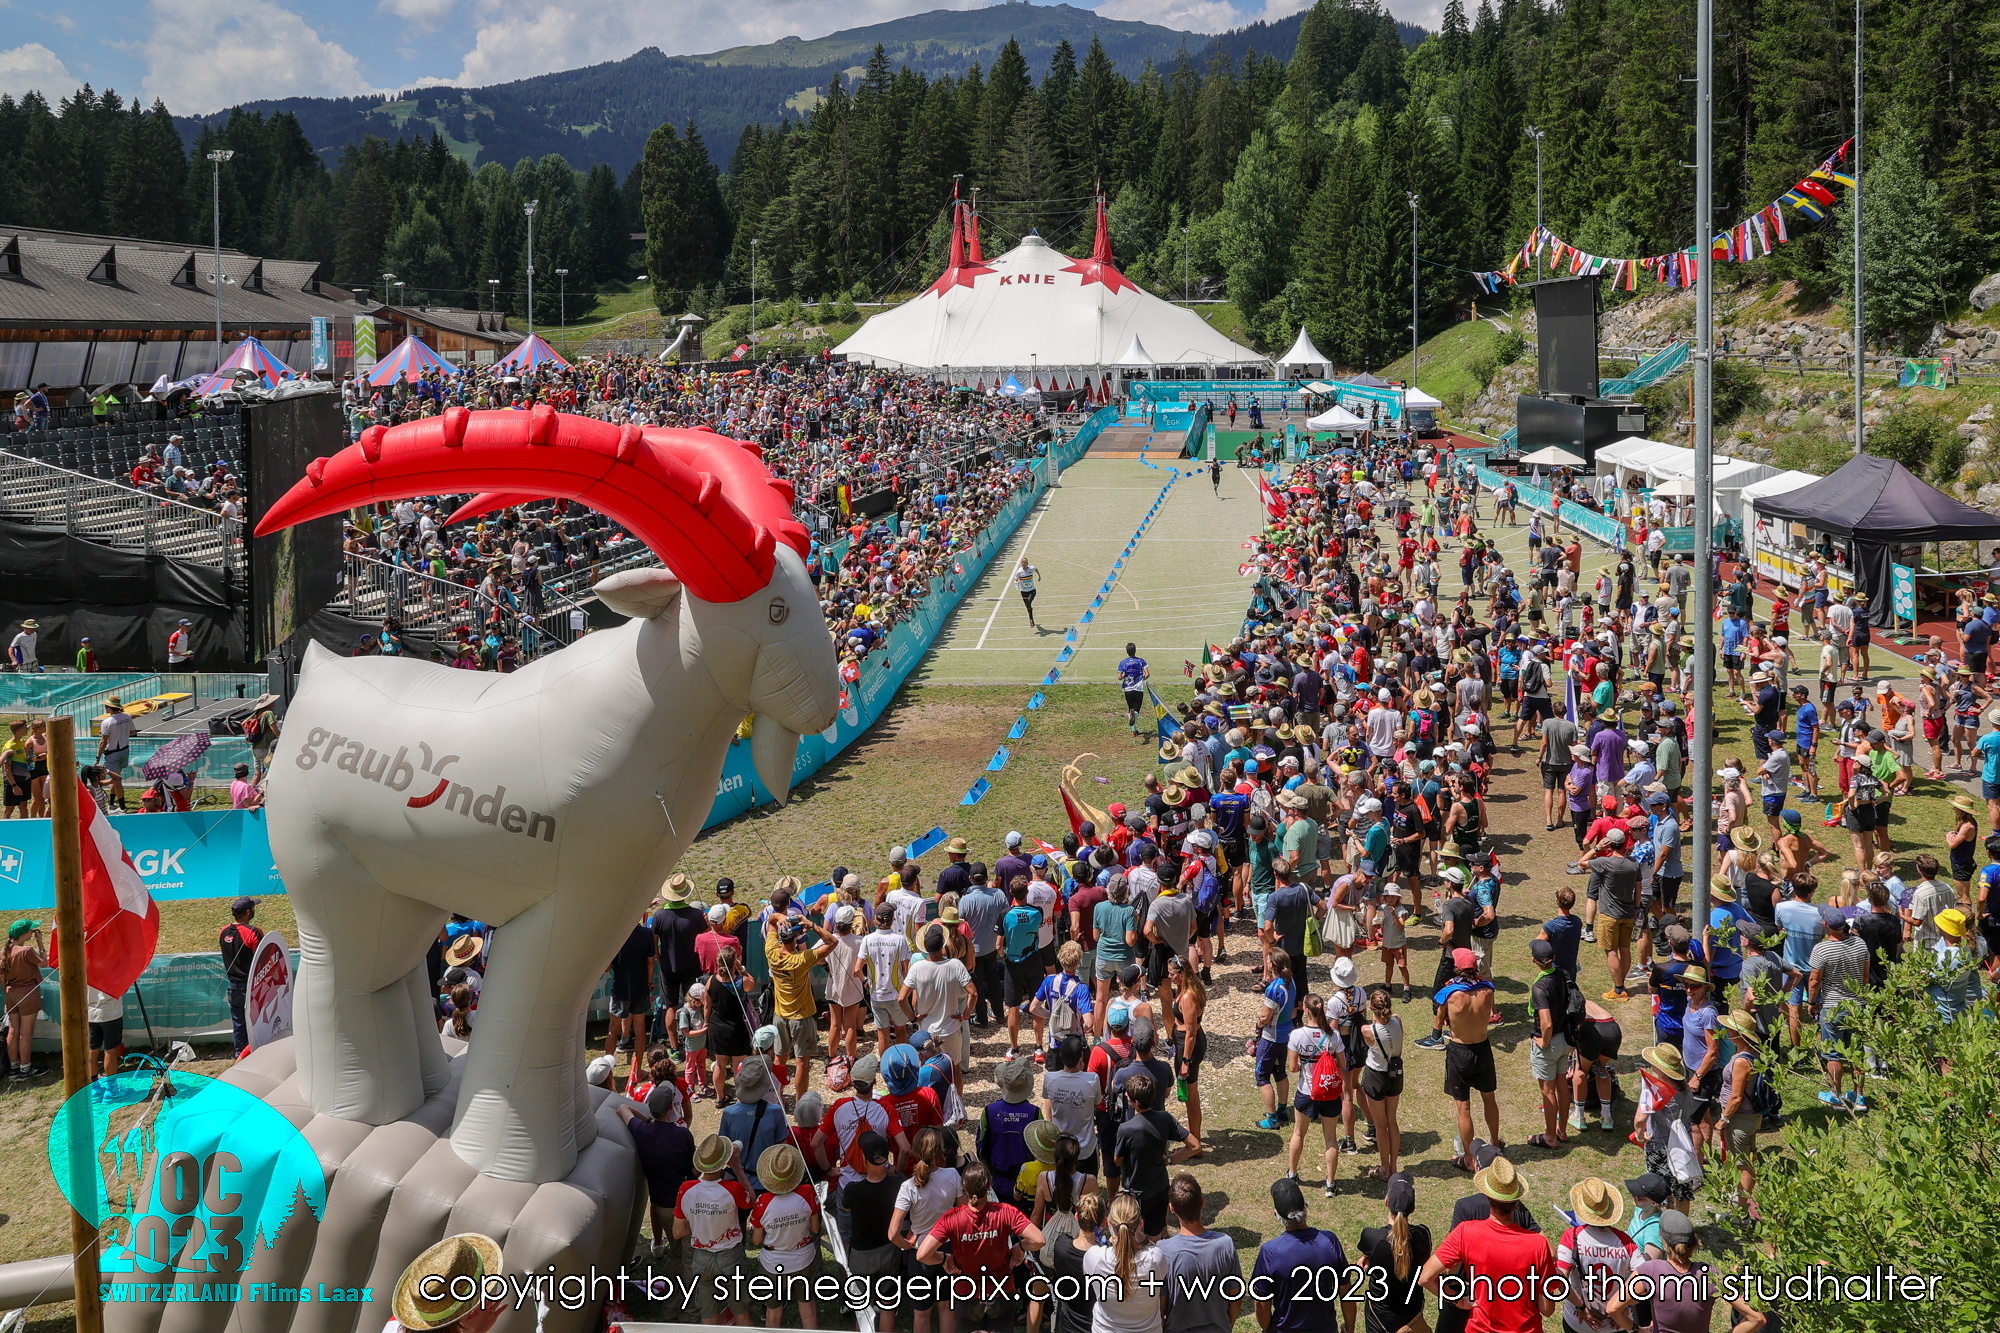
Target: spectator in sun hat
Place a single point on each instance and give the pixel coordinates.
(430, 1297)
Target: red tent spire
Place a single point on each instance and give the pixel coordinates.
(959, 271)
(972, 217)
(1100, 248)
(1099, 267)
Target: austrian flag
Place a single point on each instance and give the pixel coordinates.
(121, 922)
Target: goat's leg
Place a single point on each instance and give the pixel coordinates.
(432, 1066)
(364, 1054)
(523, 1113)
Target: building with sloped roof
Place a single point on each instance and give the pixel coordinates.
(85, 311)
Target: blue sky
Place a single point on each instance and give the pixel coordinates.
(203, 55)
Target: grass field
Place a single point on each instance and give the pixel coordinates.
(1178, 589)
(908, 773)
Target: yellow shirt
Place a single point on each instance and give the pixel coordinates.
(791, 981)
(1024, 1183)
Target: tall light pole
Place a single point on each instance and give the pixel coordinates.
(1538, 135)
(493, 294)
(1413, 289)
(1854, 203)
(1187, 264)
(562, 299)
(529, 209)
(1700, 745)
(753, 298)
(216, 158)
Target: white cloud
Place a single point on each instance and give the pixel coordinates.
(425, 14)
(205, 55)
(35, 68)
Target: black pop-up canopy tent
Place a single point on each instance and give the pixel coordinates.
(1877, 503)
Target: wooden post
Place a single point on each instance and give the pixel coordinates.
(67, 828)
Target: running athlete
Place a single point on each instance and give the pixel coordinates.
(1215, 473)
(1024, 582)
(1132, 676)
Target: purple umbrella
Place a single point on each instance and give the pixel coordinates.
(178, 755)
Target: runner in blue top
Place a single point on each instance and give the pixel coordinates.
(1132, 676)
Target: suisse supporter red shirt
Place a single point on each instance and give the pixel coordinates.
(1491, 1250)
(1100, 1063)
(979, 1240)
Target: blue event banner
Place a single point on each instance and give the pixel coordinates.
(202, 854)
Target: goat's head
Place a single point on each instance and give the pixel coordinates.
(706, 505)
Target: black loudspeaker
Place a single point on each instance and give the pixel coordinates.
(1566, 337)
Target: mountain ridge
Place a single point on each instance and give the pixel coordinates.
(604, 112)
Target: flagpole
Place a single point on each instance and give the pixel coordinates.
(1702, 715)
(66, 829)
(1854, 202)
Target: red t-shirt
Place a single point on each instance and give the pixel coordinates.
(1100, 1065)
(1492, 1251)
(913, 1110)
(979, 1241)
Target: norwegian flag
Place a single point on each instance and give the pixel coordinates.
(121, 922)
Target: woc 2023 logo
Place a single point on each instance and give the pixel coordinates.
(185, 1178)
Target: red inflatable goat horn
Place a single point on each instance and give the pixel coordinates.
(707, 506)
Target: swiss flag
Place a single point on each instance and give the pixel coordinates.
(1274, 503)
(121, 922)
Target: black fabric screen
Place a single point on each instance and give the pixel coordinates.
(126, 602)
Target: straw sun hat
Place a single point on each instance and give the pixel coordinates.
(470, 1255)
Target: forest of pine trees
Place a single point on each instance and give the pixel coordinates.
(1283, 185)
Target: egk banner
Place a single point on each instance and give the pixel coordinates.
(203, 854)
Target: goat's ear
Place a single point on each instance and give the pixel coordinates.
(639, 593)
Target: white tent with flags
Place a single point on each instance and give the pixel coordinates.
(1336, 418)
(1035, 307)
(1305, 356)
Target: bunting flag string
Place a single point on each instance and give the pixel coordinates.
(1752, 238)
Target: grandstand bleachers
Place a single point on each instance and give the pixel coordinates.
(111, 451)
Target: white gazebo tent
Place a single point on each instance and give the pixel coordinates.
(1304, 356)
(1135, 357)
(1760, 532)
(1416, 399)
(1336, 418)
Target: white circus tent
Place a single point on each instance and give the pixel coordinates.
(1035, 310)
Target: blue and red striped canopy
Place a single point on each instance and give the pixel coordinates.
(531, 354)
(412, 357)
(250, 354)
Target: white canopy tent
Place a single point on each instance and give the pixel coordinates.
(1036, 311)
(1305, 356)
(1336, 418)
(1757, 531)
(1552, 457)
(1416, 398)
(1135, 357)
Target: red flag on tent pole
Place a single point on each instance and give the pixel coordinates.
(121, 922)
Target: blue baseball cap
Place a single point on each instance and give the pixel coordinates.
(1038, 860)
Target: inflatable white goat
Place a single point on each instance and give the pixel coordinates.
(552, 801)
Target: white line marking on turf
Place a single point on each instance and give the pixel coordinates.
(1001, 600)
